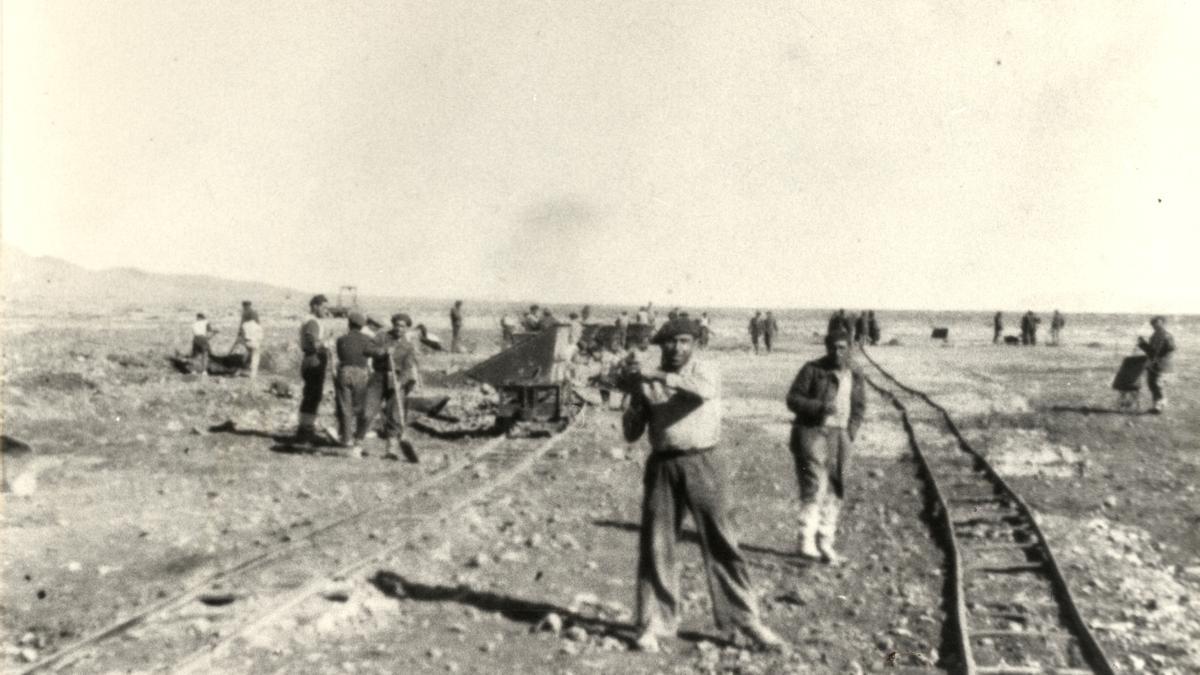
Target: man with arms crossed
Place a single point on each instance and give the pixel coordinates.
(680, 406)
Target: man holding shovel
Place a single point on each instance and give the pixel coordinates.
(394, 376)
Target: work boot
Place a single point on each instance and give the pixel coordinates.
(389, 448)
(828, 555)
(306, 436)
(352, 451)
(808, 545)
(647, 641)
(763, 637)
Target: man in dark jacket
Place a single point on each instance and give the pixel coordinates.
(1160, 349)
(354, 350)
(756, 326)
(456, 323)
(828, 401)
(770, 328)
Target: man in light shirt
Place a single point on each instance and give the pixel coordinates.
(202, 332)
(252, 337)
(827, 398)
(678, 405)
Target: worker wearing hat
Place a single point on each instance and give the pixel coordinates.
(1160, 352)
(313, 364)
(678, 406)
(828, 401)
(394, 375)
(354, 349)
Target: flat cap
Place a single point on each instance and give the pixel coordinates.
(675, 327)
(356, 318)
(318, 299)
(837, 335)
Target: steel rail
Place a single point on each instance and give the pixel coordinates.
(1091, 650)
(202, 660)
(956, 564)
(249, 563)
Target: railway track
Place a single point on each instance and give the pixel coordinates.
(1012, 612)
(260, 589)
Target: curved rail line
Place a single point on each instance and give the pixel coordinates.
(299, 561)
(1011, 601)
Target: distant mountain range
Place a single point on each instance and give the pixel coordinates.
(27, 279)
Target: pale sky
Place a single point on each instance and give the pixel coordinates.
(955, 155)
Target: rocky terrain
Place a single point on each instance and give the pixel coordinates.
(138, 481)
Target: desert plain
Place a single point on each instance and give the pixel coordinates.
(139, 482)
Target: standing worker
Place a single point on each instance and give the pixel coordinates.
(508, 326)
(202, 332)
(456, 321)
(394, 375)
(997, 327)
(680, 405)
(873, 333)
(353, 350)
(827, 399)
(1057, 322)
(1160, 350)
(860, 328)
(248, 314)
(252, 338)
(313, 364)
(755, 329)
(622, 324)
(769, 329)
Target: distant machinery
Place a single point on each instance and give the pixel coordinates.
(341, 309)
(533, 380)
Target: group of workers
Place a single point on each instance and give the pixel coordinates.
(249, 337)
(373, 372)
(862, 328)
(1029, 328)
(676, 404)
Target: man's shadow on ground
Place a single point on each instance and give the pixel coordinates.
(282, 443)
(519, 610)
(1097, 410)
(790, 558)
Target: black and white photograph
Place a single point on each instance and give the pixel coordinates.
(599, 336)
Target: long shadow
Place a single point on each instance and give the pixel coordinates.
(282, 443)
(456, 434)
(529, 612)
(691, 537)
(1093, 410)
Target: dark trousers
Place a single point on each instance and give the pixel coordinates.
(389, 402)
(673, 486)
(352, 403)
(767, 340)
(754, 339)
(200, 352)
(454, 333)
(996, 334)
(313, 375)
(821, 454)
(1155, 382)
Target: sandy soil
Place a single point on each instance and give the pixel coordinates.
(134, 498)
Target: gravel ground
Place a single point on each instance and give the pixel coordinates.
(134, 499)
